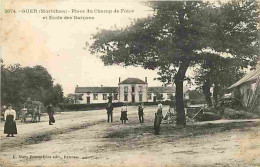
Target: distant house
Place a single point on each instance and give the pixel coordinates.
(248, 88)
(130, 90)
(133, 90)
(97, 94)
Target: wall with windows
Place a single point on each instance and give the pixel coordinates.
(166, 96)
(126, 93)
(132, 93)
(98, 97)
(153, 96)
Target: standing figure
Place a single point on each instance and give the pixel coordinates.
(124, 114)
(50, 112)
(10, 125)
(23, 114)
(170, 115)
(30, 110)
(160, 106)
(158, 118)
(141, 113)
(110, 112)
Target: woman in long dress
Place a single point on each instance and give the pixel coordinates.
(10, 125)
(124, 114)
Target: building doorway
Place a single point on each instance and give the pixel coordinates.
(154, 99)
(88, 100)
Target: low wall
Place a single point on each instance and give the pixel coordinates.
(100, 106)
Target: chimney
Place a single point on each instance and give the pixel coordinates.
(119, 79)
(145, 79)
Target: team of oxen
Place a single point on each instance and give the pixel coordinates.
(33, 108)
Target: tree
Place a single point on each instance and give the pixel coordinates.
(167, 41)
(38, 83)
(170, 40)
(18, 83)
(74, 98)
(11, 84)
(55, 95)
(195, 94)
(235, 33)
(217, 73)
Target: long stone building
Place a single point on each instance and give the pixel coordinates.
(130, 90)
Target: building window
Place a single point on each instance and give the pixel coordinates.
(115, 96)
(125, 89)
(133, 89)
(169, 96)
(140, 89)
(125, 97)
(159, 96)
(140, 97)
(149, 96)
(104, 96)
(95, 96)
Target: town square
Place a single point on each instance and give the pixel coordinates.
(130, 83)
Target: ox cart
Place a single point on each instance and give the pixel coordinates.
(34, 108)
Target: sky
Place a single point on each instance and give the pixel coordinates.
(58, 45)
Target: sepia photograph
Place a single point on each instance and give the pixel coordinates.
(127, 83)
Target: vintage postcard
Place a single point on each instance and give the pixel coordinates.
(129, 83)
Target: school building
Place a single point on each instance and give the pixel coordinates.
(130, 90)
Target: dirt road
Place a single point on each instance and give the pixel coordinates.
(85, 139)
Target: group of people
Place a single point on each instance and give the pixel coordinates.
(29, 106)
(124, 117)
(10, 127)
(168, 116)
(10, 116)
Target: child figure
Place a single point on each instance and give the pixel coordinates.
(23, 113)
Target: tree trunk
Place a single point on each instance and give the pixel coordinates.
(179, 78)
(215, 93)
(207, 94)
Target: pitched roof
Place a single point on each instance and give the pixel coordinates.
(96, 89)
(132, 81)
(247, 78)
(161, 89)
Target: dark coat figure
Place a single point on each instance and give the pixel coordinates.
(50, 112)
(158, 119)
(109, 109)
(141, 113)
(10, 125)
(123, 117)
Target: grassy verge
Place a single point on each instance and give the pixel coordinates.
(143, 136)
